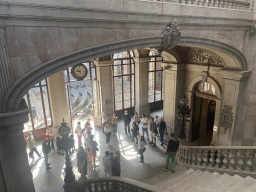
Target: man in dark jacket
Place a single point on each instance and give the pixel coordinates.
(127, 120)
(171, 151)
(162, 127)
(116, 167)
(46, 149)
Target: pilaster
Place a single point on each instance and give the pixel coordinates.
(141, 85)
(58, 100)
(234, 95)
(5, 72)
(13, 156)
(104, 78)
(173, 92)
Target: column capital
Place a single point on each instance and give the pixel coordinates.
(103, 63)
(141, 59)
(14, 119)
(234, 75)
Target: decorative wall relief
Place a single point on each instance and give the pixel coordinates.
(202, 56)
(226, 118)
(252, 29)
(172, 35)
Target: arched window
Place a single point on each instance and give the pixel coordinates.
(206, 87)
(123, 80)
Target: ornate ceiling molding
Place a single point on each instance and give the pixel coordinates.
(202, 56)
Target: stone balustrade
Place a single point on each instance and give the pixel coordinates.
(224, 158)
(225, 4)
(110, 184)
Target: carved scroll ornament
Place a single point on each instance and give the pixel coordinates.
(226, 118)
(204, 56)
(172, 35)
(252, 29)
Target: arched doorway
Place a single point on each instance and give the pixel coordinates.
(204, 107)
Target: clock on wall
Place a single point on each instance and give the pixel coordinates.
(79, 71)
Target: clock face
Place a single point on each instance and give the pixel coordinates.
(79, 72)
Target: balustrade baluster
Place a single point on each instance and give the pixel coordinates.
(182, 2)
(189, 2)
(225, 159)
(194, 157)
(212, 160)
(233, 5)
(215, 3)
(210, 3)
(224, 4)
(205, 3)
(89, 187)
(186, 156)
(190, 156)
(229, 4)
(96, 187)
(248, 160)
(240, 163)
(205, 157)
(199, 157)
(102, 185)
(199, 2)
(254, 161)
(232, 161)
(218, 160)
(220, 4)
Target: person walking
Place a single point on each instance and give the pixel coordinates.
(127, 120)
(82, 162)
(136, 119)
(142, 148)
(49, 135)
(116, 167)
(78, 132)
(153, 131)
(157, 121)
(171, 150)
(107, 131)
(46, 149)
(107, 164)
(104, 119)
(114, 123)
(135, 131)
(162, 127)
(144, 122)
(31, 143)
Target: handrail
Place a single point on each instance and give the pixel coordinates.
(110, 184)
(231, 159)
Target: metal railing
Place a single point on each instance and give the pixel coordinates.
(232, 159)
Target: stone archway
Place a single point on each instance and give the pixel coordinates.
(18, 90)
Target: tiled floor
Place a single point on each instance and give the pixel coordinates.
(52, 180)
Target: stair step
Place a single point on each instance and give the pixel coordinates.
(183, 180)
(199, 184)
(240, 186)
(173, 178)
(251, 188)
(163, 175)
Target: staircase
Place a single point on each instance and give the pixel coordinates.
(189, 180)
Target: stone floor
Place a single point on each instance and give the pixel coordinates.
(52, 180)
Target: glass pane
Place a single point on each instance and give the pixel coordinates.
(158, 80)
(126, 69)
(43, 82)
(118, 106)
(206, 88)
(127, 91)
(151, 66)
(118, 89)
(36, 107)
(117, 70)
(158, 65)
(151, 87)
(93, 73)
(65, 75)
(132, 87)
(95, 98)
(131, 54)
(28, 125)
(132, 68)
(163, 86)
(46, 106)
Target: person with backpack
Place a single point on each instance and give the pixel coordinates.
(46, 149)
(82, 162)
(107, 164)
(135, 131)
(142, 148)
(171, 150)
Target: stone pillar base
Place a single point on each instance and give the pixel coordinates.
(142, 110)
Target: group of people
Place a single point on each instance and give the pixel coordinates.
(112, 166)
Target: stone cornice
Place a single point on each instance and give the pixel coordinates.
(141, 60)
(12, 119)
(103, 63)
(234, 75)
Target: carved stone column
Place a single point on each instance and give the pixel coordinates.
(13, 156)
(173, 92)
(233, 107)
(58, 100)
(141, 85)
(105, 87)
(5, 72)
